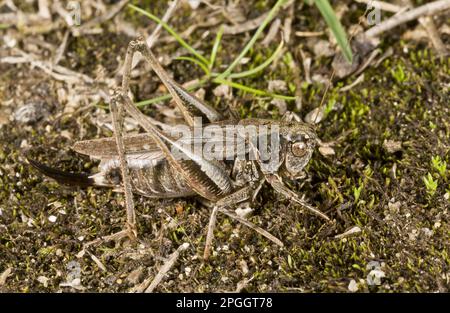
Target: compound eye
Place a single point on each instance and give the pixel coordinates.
(299, 149)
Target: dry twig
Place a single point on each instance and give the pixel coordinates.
(150, 284)
(394, 21)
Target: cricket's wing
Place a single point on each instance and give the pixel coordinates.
(215, 141)
(106, 148)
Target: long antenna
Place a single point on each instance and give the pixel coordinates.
(321, 106)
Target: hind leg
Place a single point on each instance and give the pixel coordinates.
(189, 105)
(130, 229)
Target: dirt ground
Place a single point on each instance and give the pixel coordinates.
(390, 230)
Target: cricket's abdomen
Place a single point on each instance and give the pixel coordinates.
(157, 180)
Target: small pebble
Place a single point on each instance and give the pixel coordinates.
(244, 267)
(223, 91)
(394, 207)
(30, 112)
(353, 286)
(392, 146)
(277, 85)
(326, 151)
(376, 274)
(194, 4)
(43, 280)
(52, 218)
(315, 116)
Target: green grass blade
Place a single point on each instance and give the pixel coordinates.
(193, 60)
(338, 31)
(172, 32)
(153, 100)
(254, 91)
(252, 41)
(259, 67)
(215, 48)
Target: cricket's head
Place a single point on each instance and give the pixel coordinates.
(298, 143)
(290, 151)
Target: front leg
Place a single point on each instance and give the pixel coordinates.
(279, 187)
